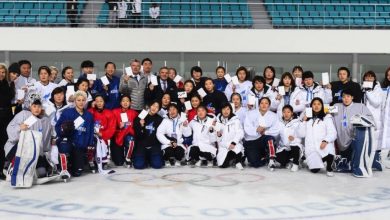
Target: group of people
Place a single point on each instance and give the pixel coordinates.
(148, 119)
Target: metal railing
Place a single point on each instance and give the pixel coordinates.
(194, 14)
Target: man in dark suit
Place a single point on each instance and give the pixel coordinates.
(165, 85)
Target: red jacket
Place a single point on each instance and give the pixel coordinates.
(121, 133)
(106, 121)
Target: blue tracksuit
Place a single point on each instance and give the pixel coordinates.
(112, 96)
(220, 84)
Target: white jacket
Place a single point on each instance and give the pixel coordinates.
(136, 6)
(242, 89)
(232, 131)
(314, 133)
(202, 137)
(289, 129)
(44, 90)
(305, 96)
(241, 114)
(373, 99)
(254, 119)
(170, 127)
(267, 92)
(122, 9)
(154, 12)
(384, 135)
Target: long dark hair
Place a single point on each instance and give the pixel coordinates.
(289, 75)
(386, 82)
(227, 105)
(321, 115)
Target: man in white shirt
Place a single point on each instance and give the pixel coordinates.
(136, 11)
(154, 13)
(25, 79)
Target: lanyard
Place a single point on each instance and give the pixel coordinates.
(174, 122)
(309, 95)
(344, 121)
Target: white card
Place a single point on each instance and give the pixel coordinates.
(78, 122)
(251, 100)
(276, 82)
(298, 81)
(234, 108)
(20, 94)
(129, 71)
(30, 121)
(91, 76)
(325, 79)
(228, 78)
(70, 90)
(309, 112)
(153, 80)
(188, 105)
(124, 117)
(367, 85)
(177, 78)
(281, 90)
(201, 92)
(49, 109)
(333, 109)
(104, 80)
(75, 80)
(235, 80)
(183, 117)
(181, 95)
(143, 114)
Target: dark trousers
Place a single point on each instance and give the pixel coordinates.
(5, 118)
(259, 151)
(195, 154)
(136, 19)
(144, 156)
(284, 157)
(117, 153)
(176, 153)
(231, 157)
(329, 160)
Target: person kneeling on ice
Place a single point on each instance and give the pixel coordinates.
(75, 131)
(169, 133)
(229, 137)
(204, 137)
(355, 154)
(261, 126)
(29, 119)
(290, 145)
(319, 132)
(147, 149)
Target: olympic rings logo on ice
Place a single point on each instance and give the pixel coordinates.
(196, 179)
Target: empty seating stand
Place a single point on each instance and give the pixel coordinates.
(51, 12)
(190, 13)
(329, 14)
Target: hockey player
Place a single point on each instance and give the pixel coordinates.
(290, 145)
(110, 92)
(122, 144)
(169, 133)
(320, 134)
(75, 135)
(204, 137)
(243, 87)
(229, 137)
(214, 98)
(261, 128)
(44, 87)
(147, 151)
(261, 89)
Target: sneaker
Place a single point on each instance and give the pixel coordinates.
(294, 168)
(167, 164)
(2, 176)
(239, 166)
(198, 163)
(177, 163)
(210, 163)
(330, 173)
(183, 162)
(271, 165)
(193, 163)
(289, 166)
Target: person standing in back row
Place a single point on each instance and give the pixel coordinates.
(136, 13)
(344, 83)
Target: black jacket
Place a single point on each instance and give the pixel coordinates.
(7, 93)
(146, 135)
(158, 92)
(215, 100)
(338, 87)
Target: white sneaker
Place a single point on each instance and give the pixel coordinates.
(177, 164)
(198, 163)
(271, 165)
(289, 166)
(167, 164)
(294, 168)
(210, 163)
(239, 166)
(330, 173)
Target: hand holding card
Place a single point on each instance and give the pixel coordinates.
(143, 114)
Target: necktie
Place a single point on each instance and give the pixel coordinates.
(164, 85)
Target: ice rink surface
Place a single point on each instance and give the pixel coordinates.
(202, 193)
